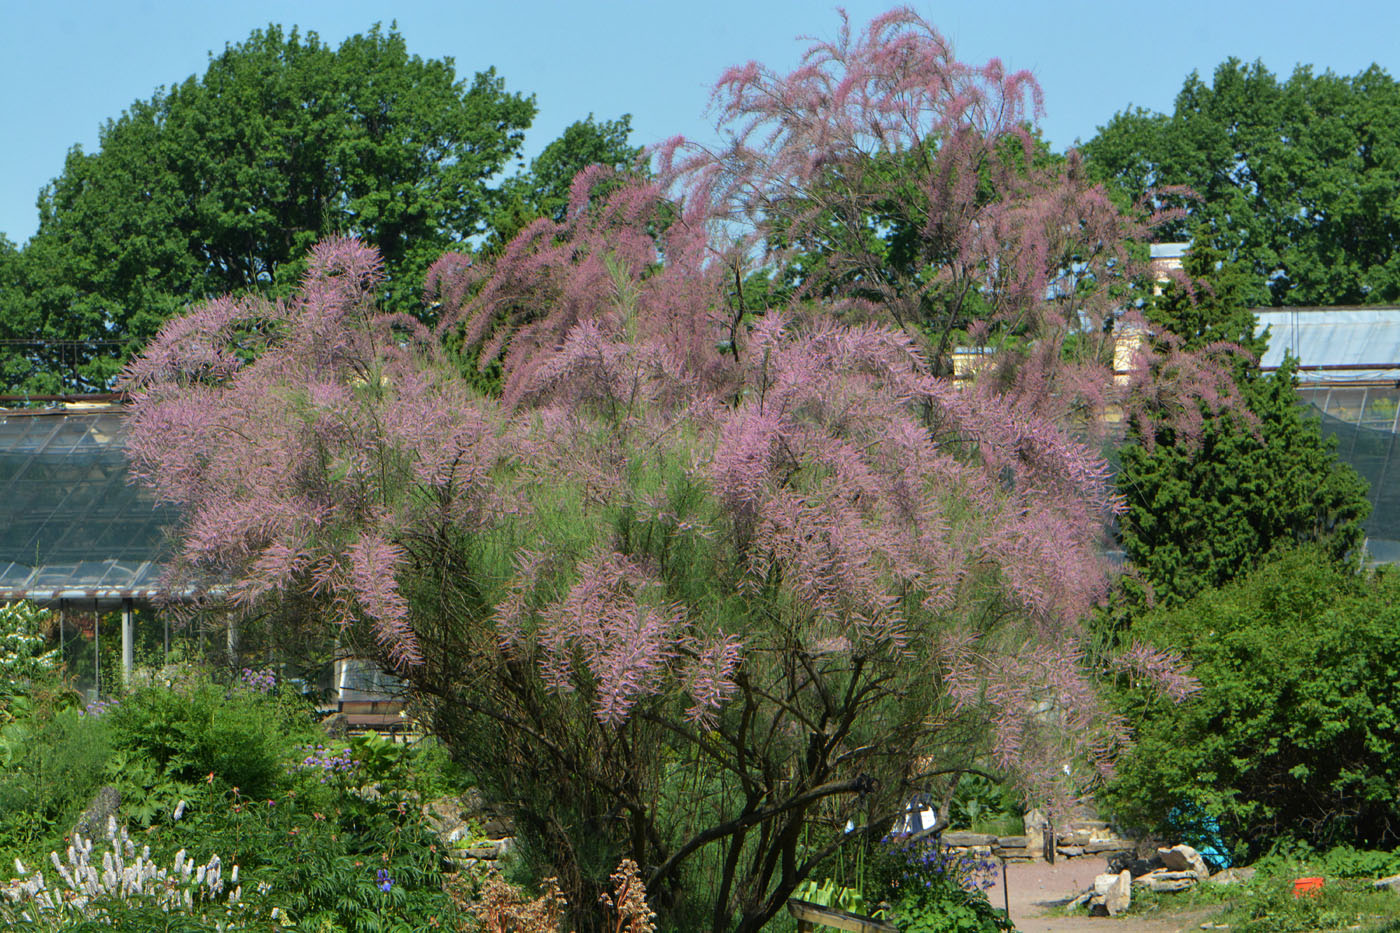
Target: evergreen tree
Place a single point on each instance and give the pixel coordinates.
(1201, 513)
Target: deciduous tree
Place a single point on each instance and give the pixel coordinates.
(1299, 180)
(222, 183)
(696, 586)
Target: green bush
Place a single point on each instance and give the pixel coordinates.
(195, 729)
(1270, 905)
(329, 856)
(933, 890)
(1295, 732)
(52, 765)
(22, 655)
(1348, 862)
(983, 805)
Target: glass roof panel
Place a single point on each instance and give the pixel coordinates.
(69, 517)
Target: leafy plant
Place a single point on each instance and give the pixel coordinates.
(828, 893)
(198, 728)
(1271, 905)
(1345, 861)
(1292, 734)
(980, 803)
(934, 890)
(22, 658)
(52, 766)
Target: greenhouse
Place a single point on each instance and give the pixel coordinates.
(77, 536)
(1349, 370)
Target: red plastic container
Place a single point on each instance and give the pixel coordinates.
(1306, 887)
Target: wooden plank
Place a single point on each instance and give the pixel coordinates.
(809, 914)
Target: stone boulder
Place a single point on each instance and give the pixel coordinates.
(963, 840)
(1184, 858)
(1166, 881)
(1392, 883)
(92, 822)
(1116, 891)
(1232, 876)
(1138, 866)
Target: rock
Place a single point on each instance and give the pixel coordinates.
(1096, 846)
(487, 851)
(336, 726)
(1184, 858)
(968, 840)
(444, 809)
(92, 823)
(1232, 876)
(1393, 883)
(1070, 851)
(1013, 842)
(1166, 881)
(1119, 895)
(1039, 832)
(1138, 866)
(498, 826)
(1081, 901)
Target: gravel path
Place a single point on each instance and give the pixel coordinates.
(1034, 889)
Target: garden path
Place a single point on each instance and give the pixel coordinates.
(1035, 889)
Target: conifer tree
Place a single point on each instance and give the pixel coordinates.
(1201, 513)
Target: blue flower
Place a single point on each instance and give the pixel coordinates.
(385, 881)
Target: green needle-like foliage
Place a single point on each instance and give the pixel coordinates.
(1200, 513)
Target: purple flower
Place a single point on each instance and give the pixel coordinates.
(327, 761)
(98, 707)
(263, 681)
(384, 880)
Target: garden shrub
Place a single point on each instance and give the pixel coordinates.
(52, 764)
(22, 655)
(240, 735)
(1294, 732)
(930, 889)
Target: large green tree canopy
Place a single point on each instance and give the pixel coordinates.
(1297, 179)
(221, 183)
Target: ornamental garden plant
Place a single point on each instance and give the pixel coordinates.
(679, 575)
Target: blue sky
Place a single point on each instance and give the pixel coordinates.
(68, 65)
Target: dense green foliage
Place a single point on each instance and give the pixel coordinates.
(221, 184)
(932, 890)
(330, 834)
(1202, 510)
(1297, 179)
(1266, 902)
(1294, 731)
(543, 191)
(183, 735)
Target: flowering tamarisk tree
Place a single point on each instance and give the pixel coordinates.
(699, 584)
